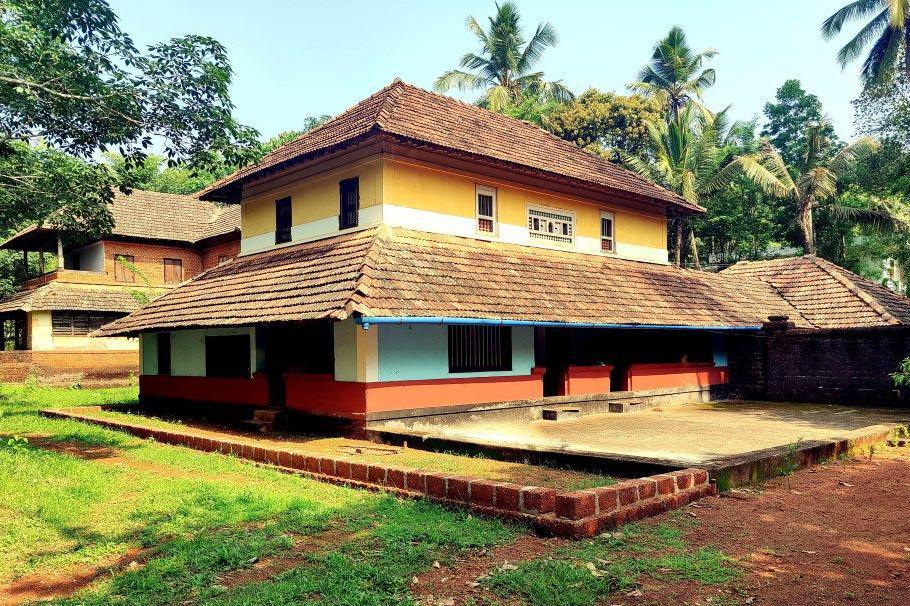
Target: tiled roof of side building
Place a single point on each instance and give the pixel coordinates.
(160, 216)
(420, 116)
(394, 272)
(826, 295)
(77, 297)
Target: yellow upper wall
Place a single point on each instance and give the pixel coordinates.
(416, 186)
(312, 198)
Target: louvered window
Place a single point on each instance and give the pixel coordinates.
(80, 323)
(350, 203)
(283, 220)
(173, 271)
(551, 225)
(480, 348)
(486, 210)
(607, 225)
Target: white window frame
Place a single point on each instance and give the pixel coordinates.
(542, 237)
(612, 237)
(486, 191)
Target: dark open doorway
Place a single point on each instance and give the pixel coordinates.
(297, 347)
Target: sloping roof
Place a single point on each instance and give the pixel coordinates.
(393, 272)
(826, 295)
(76, 297)
(417, 115)
(158, 216)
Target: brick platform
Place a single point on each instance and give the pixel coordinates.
(576, 514)
(91, 368)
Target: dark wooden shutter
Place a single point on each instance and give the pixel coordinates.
(283, 220)
(350, 203)
(173, 271)
(123, 268)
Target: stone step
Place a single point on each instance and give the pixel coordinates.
(560, 414)
(627, 406)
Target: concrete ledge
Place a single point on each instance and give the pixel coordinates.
(575, 514)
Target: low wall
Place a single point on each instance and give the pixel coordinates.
(250, 392)
(660, 376)
(845, 366)
(87, 367)
(586, 380)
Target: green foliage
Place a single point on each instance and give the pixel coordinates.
(73, 84)
(901, 376)
(790, 119)
(601, 122)
(504, 66)
(883, 111)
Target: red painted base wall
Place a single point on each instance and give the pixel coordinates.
(658, 376)
(586, 380)
(250, 392)
(322, 395)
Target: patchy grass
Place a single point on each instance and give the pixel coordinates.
(584, 573)
(202, 514)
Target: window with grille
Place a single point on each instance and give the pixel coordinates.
(163, 341)
(480, 348)
(350, 203)
(173, 271)
(551, 225)
(607, 225)
(80, 323)
(125, 268)
(227, 356)
(283, 220)
(486, 210)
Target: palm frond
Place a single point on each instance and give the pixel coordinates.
(472, 61)
(854, 48)
(852, 12)
(475, 29)
(754, 169)
(544, 37)
(899, 10)
(818, 184)
(498, 97)
(640, 166)
(556, 91)
(879, 219)
(463, 81)
(848, 156)
(879, 64)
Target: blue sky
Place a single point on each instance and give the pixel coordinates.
(296, 59)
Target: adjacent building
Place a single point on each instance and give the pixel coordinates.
(158, 242)
(420, 254)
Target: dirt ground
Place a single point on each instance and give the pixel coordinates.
(834, 534)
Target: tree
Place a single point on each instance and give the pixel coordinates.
(505, 63)
(689, 150)
(73, 84)
(887, 31)
(815, 182)
(789, 122)
(674, 75)
(883, 111)
(601, 122)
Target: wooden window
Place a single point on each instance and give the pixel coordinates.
(552, 225)
(480, 348)
(350, 203)
(227, 356)
(163, 341)
(125, 268)
(80, 323)
(607, 227)
(283, 220)
(173, 271)
(486, 210)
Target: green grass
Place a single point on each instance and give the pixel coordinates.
(202, 515)
(586, 572)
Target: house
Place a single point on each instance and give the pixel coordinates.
(158, 241)
(419, 254)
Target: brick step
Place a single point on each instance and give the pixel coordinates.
(633, 406)
(266, 420)
(560, 414)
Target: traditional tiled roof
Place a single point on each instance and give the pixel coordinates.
(77, 297)
(420, 116)
(826, 295)
(158, 216)
(395, 272)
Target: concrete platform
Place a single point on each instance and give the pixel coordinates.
(738, 442)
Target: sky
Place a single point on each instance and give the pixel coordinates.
(294, 59)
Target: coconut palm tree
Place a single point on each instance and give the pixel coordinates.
(505, 64)
(687, 152)
(674, 74)
(887, 31)
(810, 185)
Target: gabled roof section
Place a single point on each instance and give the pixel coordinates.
(826, 295)
(422, 117)
(157, 216)
(395, 272)
(76, 297)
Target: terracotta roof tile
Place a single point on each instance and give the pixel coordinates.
(395, 272)
(826, 295)
(424, 117)
(76, 297)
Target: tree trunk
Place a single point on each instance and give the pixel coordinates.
(679, 241)
(805, 224)
(693, 246)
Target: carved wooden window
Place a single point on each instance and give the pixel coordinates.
(551, 225)
(486, 210)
